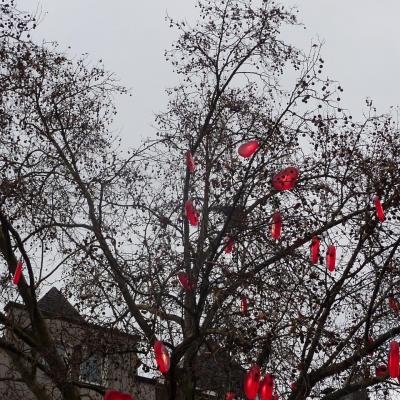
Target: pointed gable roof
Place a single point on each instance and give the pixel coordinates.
(54, 304)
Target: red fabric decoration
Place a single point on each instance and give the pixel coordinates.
(230, 395)
(229, 245)
(162, 356)
(331, 258)
(394, 358)
(244, 305)
(394, 304)
(191, 213)
(252, 382)
(116, 395)
(286, 179)
(379, 209)
(315, 243)
(381, 371)
(276, 227)
(185, 281)
(191, 166)
(18, 272)
(246, 150)
(267, 387)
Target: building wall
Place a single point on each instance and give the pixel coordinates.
(76, 343)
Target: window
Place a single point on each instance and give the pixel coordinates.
(91, 369)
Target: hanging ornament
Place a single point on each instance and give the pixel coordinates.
(244, 305)
(381, 371)
(18, 272)
(185, 281)
(229, 245)
(267, 387)
(191, 166)
(394, 358)
(394, 304)
(162, 356)
(246, 150)
(379, 209)
(315, 243)
(331, 258)
(286, 179)
(191, 213)
(116, 395)
(230, 395)
(252, 382)
(276, 227)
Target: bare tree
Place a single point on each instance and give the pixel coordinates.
(113, 222)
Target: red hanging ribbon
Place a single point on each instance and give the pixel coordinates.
(331, 258)
(185, 281)
(394, 358)
(191, 213)
(116, 395)
(18, 272)
(276, 227)
(267, 387)
(162, 356)
(381, 371)
(252, 382)
(229, 245)
(286, 179)
(244, 304)
(315, 243)
(246, 150)
(191, 166)
(379, 209)
(394, 304)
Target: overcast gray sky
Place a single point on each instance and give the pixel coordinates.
(361, 47)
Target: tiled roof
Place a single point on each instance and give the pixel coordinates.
(56, 305)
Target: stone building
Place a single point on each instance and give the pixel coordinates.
(97, 358)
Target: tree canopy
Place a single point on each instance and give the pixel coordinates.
(185, 241)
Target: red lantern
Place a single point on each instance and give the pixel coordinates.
(381, 371)
(244, 305)
(162, 356)
(276, 227)
(331, 258)
(394, 304)
(18, 272)
(229, 245)
(191, 166)
(315, 243)
(230, 396)
(394, 358)
(267, 387)
(379, 209)
(191, 213)
(246, 150)
(252, 382)
(185, 281)
(116, 395)
(286, 179)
